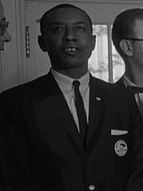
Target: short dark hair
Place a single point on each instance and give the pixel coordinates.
(123, 26)
(44, 17)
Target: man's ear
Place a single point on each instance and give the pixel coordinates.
(41, 43)
(126, 47)
(94, 42)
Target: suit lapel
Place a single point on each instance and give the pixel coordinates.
(96, 106)
(64, 115)
(61, 110)
(59, 107)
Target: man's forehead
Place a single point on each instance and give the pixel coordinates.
(138, 26)
(67, 14)
(66, 10)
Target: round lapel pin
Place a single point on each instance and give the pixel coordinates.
(121, 148)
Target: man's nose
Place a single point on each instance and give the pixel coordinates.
(69, 35)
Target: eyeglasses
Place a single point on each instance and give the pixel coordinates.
(134, 39)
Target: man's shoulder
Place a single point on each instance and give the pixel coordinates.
(114, 89)
(31, 87)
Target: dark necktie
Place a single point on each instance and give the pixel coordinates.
(80, 111)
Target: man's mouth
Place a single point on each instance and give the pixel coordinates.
(71, 50)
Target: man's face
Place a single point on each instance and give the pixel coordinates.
(4, 35)
(68, 38)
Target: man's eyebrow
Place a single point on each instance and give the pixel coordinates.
(74, 23)
(81, 22)
(56, 23)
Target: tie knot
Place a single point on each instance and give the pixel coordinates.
(76, 83)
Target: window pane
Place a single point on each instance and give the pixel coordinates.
(98, 62)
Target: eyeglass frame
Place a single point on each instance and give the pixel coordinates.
(134, 39)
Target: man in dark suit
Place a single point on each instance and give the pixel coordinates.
(127, 36)
(43, 146)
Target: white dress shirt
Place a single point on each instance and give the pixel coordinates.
(138, 96)
(65, 84)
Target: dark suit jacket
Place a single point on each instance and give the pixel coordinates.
(120, 82)
(41, 148)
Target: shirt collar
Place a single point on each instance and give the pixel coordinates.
(127, 82)
(65, 82)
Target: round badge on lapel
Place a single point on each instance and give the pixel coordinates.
(121, 148)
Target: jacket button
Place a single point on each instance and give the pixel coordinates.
(8, 188)
(91, 187)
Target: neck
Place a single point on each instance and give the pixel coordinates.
(72, 73)
(135, 76)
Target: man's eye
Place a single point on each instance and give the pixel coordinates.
(58, 29)
(81, 28)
